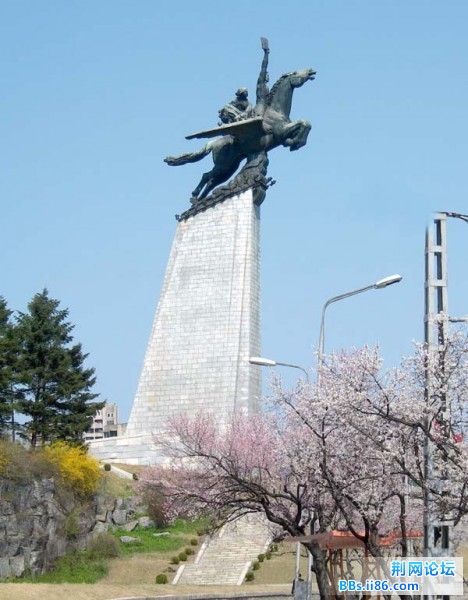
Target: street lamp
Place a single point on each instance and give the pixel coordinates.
(381, 283)
(268, 362)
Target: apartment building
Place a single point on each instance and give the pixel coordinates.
(105, 423)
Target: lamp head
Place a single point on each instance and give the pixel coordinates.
(263, 362)
(386, 281)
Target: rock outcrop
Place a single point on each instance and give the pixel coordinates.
(39, 524)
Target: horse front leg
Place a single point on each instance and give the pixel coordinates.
(297, 135)
(289, 134)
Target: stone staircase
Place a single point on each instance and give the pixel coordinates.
(225, 558)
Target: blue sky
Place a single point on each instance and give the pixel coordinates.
(96, 93)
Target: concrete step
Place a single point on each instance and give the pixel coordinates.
(223, 558)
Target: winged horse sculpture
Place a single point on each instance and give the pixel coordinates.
(263, 128)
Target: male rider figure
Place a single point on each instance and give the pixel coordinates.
(238, 109)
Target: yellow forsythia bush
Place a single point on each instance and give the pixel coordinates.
(78, 470)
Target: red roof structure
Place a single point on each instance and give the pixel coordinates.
(337, 540)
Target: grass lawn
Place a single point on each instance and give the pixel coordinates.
(73, 568)
(180, 535)
(281, 567)
(149, 543)
(113, 485)
(139, 569)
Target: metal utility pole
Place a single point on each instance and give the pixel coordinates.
(438, 531)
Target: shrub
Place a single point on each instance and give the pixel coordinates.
(175, 560)
(17, 463)
(153, 498)
(256, 566)
(249, 576)
(135, 476)
(104, 545)
(11, 453)
(194, 542)
(268, 555)
(273, 547)
(40, 466)
(107, 467)
(261, 557)
(189, 551)
(78, 471)
(72, 527)
(161, 578)
(182, 556)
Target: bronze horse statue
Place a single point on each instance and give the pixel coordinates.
(246, 139)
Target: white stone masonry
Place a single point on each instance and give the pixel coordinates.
(207, 323)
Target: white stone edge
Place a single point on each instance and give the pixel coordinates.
(178, 575)
(244, 573)
(201, 552)
(222, 531)
(121, 472)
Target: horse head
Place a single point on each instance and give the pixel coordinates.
(298, 78)
(280, 96)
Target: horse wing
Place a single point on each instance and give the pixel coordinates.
(241, 130)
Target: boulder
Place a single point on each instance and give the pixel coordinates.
(102, 516)
(130, 526)
(17, 566)
(4, 568)
(119, 516)
(145, 522)
(127, 539)
(100, 527)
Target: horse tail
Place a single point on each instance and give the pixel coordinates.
(189, 157)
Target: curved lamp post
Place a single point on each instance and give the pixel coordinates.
(268, 362)
(382, 283)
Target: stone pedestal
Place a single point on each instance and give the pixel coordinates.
(206, 327)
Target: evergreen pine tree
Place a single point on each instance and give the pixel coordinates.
(8, 356)
(55, 386)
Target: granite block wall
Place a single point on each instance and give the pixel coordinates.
(207, 323)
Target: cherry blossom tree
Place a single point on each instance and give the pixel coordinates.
(258, 464)
(398, 416)
(348, 454)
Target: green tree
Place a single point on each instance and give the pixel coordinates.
(8, 361)
(54, 385)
